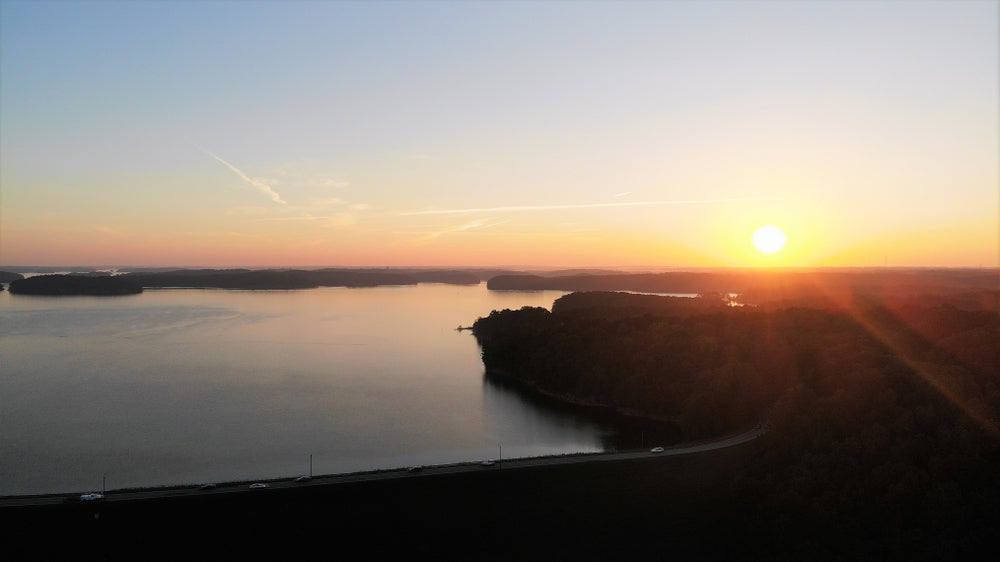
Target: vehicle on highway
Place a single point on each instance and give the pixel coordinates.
(303, 478)
(206, 486)
(414, 469)
(91, 496)
(656, 450)
(488, 463)
(257, 485)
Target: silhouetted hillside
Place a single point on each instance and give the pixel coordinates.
(884, 419)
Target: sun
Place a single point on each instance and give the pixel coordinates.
(769, 239)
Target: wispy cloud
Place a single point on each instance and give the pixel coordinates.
(327, 183)
(310, 174)
(583, 206)
(296, 218)
(335, 220)
(471, 225)
(328, 202)
(327, 212)
(258, 183)
(108, 230)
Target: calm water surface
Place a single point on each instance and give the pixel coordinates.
(186, 386)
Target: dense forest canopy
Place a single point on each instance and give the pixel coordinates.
(712, 367)
(883, 414)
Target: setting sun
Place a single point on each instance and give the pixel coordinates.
(769, 239)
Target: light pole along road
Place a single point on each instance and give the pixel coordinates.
(303, 482)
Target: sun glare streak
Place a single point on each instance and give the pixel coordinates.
(900, 350)
(477, 224)
(938, 383)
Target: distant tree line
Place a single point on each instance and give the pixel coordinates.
(247, 279)
(7, 276)
(842, 288)
(298, 278)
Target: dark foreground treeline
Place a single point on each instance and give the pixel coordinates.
(883, 438)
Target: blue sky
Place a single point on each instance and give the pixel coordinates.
(569, 133)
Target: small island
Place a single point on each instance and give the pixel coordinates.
(55, 285)
(8, 276)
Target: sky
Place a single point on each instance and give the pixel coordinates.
(546, 134)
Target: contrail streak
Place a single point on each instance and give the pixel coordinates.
(471, 225)
(259, 184)
(585, 206)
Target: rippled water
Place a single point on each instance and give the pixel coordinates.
(189, 386)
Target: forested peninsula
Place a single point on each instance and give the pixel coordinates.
(883, 416)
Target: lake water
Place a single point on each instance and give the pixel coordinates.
(183, 386)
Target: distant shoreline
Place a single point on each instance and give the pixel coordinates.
(751, 285)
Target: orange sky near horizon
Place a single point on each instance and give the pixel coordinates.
(487, 134)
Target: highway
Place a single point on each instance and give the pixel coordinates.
(423, 471)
